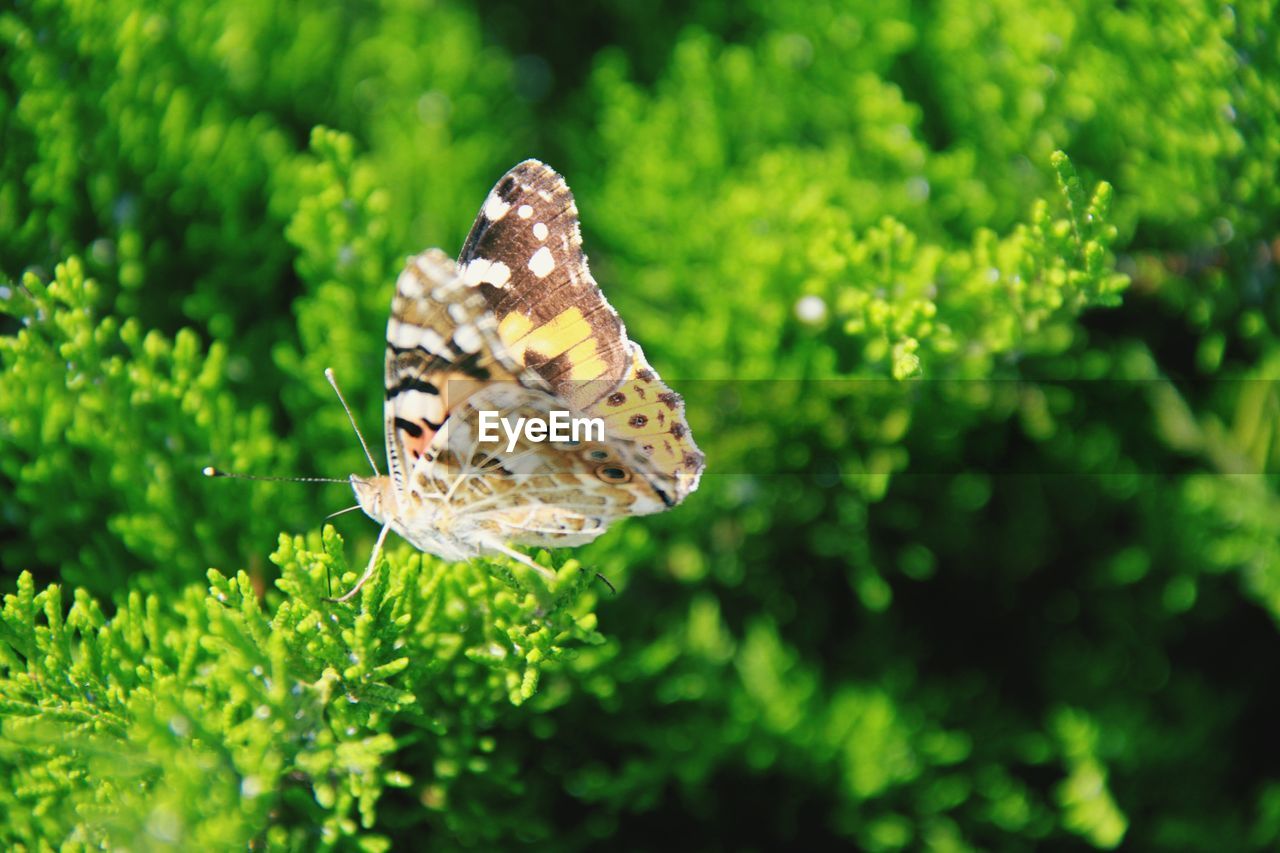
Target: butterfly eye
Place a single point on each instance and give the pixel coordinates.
(613, 474)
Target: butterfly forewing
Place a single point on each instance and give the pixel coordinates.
(524, 255)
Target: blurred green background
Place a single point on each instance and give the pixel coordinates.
(975, 307)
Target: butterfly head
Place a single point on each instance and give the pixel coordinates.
(374, 495)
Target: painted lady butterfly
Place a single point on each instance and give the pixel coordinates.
(519, 327)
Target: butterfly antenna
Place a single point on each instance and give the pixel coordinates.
(210, 471)
(328, 374)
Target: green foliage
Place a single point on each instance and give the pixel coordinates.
(158, 141)
(205, 721)
(986, 555)
(105, 425)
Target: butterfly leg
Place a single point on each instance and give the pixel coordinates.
(368, 572)
(521, 558)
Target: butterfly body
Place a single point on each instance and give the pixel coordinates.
(518, 328)
(429, 523)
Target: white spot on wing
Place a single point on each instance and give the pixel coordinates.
(468, 338)
(408, 336)
(499, 274)
(524, 211)
(419, 405)
(409, 285)
(489, 272)
(540, 230)
(541, 264)
(495, 208)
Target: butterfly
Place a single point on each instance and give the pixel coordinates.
(516, 328)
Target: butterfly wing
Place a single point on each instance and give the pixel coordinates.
(455, 495)
(524, 257)
(518, 327)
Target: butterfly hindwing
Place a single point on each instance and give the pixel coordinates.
(646, 417)
(529, 492)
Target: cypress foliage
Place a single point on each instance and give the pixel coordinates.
(974, 308)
